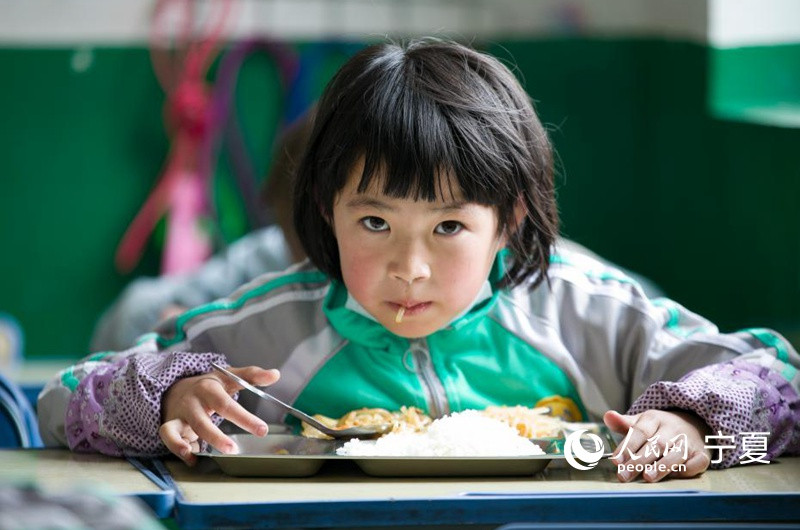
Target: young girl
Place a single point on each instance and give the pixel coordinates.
(425, 203)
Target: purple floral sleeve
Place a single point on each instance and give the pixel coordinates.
(735, 397)
(116, 409)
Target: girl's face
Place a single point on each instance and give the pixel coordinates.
(429, 257)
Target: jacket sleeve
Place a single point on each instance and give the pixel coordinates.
(139, 308)
(111, 402)
(642, 354)
(753, 394)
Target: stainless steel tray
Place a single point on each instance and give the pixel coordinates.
(379, 466)
(282, 455)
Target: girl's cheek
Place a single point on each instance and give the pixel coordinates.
(356, 256)
(464, 258)
(358, 267)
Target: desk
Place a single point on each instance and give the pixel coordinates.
(343, 496)
(59, 470)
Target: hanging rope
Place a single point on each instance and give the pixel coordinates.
(182, 189)
(242, 164)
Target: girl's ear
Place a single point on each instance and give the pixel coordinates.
(519, 215)
(328, 218)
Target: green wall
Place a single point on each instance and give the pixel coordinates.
(757, 83)
(648, 177)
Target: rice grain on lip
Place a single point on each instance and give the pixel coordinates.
(463, 434)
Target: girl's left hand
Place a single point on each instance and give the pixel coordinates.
(650, 432)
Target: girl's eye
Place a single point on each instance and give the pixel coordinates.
(374, 224)
(449, 228)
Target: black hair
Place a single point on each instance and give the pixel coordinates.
(416, 113)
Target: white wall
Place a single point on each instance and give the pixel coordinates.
(121, 22)
(735, 23)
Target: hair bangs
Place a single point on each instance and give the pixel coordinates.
(414, 145)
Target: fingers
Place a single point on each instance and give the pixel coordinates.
(695, 465)
(657, 444)
(206, 430)
(254, 375)
(617, 422)
(186, 418)
(181, 440)
(257, 375)
(190, 403)
(673, 465)
(641, 429)
(639, 449)
(210, 397)
(665, 466)
(231, 410)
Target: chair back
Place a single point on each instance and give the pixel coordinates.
(18, 425)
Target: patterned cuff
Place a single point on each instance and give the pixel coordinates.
(116, 409)
(739, 400)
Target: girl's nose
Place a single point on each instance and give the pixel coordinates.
(409, 264)
(411, 277)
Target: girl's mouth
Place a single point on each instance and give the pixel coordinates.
(409, 310)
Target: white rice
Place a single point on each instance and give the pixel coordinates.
(463, 434)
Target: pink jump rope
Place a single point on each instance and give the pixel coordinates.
(181, 190)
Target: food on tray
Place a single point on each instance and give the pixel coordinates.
(406, 419)
(528, 422)
(469, 433)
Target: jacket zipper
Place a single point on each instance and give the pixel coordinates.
(437, 398)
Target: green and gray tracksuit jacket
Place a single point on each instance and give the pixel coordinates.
(587, 342)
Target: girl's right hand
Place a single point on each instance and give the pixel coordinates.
(188, 404)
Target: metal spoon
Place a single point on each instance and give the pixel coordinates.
(362, 432)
